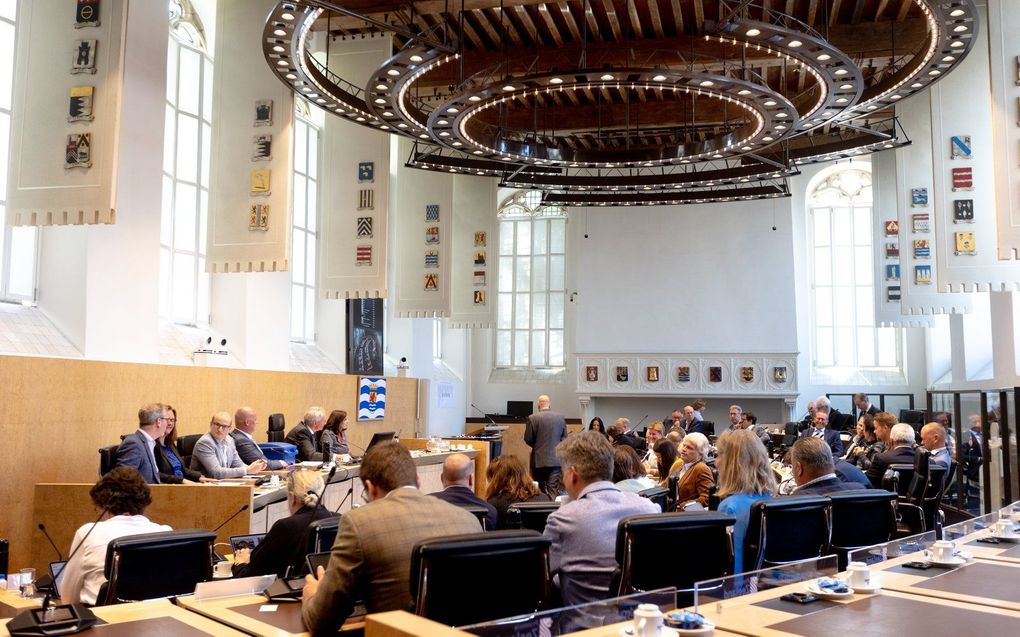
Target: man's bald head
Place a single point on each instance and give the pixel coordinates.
(457, 470)
(245, 419)
(933, 436)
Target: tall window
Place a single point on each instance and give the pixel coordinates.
(18, 245)
(842, 262)
(184, 284)
(306, 224)
(532, 283)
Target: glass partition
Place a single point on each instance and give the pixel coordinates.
(717, 590)
(569, 619)
(896, 548)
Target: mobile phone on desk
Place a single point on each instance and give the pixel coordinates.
(799, 598)
(922, 566)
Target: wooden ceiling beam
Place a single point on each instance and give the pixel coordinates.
(614, 22)
(568, 18)
(550, 24)
(678, 16)
(905, 6)
(834, 12)
(812, 13)
(635, 19)
(528, 25)
(699, 17)
(655, 18)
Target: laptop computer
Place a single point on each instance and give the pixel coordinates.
(238, 542)
(57, 576)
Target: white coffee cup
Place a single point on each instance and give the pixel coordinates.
(1004, 528)
(858, 575)
(647, 621)
(222, 569)
(942, 550)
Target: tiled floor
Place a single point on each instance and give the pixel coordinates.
(24, 330)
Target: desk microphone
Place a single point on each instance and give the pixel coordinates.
(244, 507)
(42, 527)
(640, 421)
(318, 502)
(487, 416)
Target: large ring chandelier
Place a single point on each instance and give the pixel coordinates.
(728, 112)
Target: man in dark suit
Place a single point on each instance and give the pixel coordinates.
(371, 557)
(822, 431)
(542, 432)
(458, 487)
(901, 437)
(850, 474)
(245, 421)
(620, 434)
(303, 435)
(813, 470)
(138, 449)
(837, 421)
(863, 404)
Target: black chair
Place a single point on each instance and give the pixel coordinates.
(861, 518)
(708, 428)
(186, 447)
(783, 530)
(322, 534)
(107, 459)
(519, 582)
(898, 478)
(673, 486)
(648, 558)
(182, 558)
(530, 515)
(658, 495)
(276, 428)
(480, 512)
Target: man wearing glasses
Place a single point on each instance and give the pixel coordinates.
(138, 449)
(215, 455)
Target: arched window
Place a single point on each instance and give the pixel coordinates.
(184, 284)
(842, 260)
(532, 283)
(18, 245)
(304, 232)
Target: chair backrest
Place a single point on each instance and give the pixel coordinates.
(673, 485)
(649, 558)
(782, 530)
(708, 427)
(480, 512)
(658, 495)
(919, 481)
(182, 558)
(530, 515)
(276, 428)
(516, 564)
(861, 518)
(186, 447)
(898, 478)
(931, 498)
(322, 534)
(107, 458)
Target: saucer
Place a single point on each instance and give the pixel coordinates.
(868, 589)
(953, 561)
(824, 594)
(1015, 537)
(665, 631)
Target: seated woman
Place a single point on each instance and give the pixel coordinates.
(596, 424)
(862, 452)
(335, 432)
(695, 476)
(122, 496)
(509, 483)
(171, 467)
(665, 455)
(285, 544)
(628, 472)
(744, 478)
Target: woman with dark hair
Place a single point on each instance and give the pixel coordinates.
(121, 496)
(596, 424)
(859, 442)
(171, 467)
(665, 455)
(335, 432)
(509, 483)
(628, 472)
(284, 545)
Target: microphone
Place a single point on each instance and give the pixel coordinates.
(244, 507)
(487, 416)
(641, 421)
(318, 502)
(42, 527)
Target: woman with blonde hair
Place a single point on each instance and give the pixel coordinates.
(284, 546)
(509, 483)
(745, 477)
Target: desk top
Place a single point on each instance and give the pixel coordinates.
(251, 613)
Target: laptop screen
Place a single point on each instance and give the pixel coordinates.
(238, 542)
(57, 573)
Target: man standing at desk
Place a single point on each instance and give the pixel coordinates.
(138, 449)
(542, 432)
(215, 455)
(371, 558)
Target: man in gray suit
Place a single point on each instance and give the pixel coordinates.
(138, 450)
(245, 421)
(371, 557)
(542, 432)
(215, 455)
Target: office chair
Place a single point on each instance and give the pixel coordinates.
(530, 515)
(648, 560)
(783, 530)
(479, 512)
(861, 518)
(155, 565)
(658, 495)
(107, 459)
(322, 534)
(276, 428)
(186, 447)
(519, 581)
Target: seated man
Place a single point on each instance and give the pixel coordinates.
(583, 531)
(749, 421)
(458, 487)
(245, 421)
(820, 429)
(138, 449)
(933, 438)
(850, 473)
(813, 470)
(303, 435)
(901, 437)
(624, 436)
(122, 495)
(371, 558)
(215, 455)
(736, 416)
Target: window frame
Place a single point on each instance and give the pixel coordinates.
(304, 124)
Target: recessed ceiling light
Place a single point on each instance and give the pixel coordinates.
(895, 96)
(279, 32)
(444, 134)
(770, 102)
(840, 72)
(457, 144)
(416, 58)
(477, 152)
(606, 77)
(401, 125)
(960, 28)
(934, 72)
(393, 72)
(508, 88)
(956, 43)
(795, 44)
(824, 56)
(423, 136)
(841, 100)
(707, 83)
(474, 98)
(949, 58)
(753, 32)
(387, 114)
(320, 101)
(916, 85)
(380, 100)
(360, 119)
(743, 92)
(659, 78)
(555, 80)
(846, 87)
(767, 138)
(381, 87)
(290, 76)
(282, 63)
(287, 16)
(780, 127)
(782, 114)
(451, 110)
(279, 49)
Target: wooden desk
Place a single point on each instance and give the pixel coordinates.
(154, 617)
(982, 582)
(244, 613)
(12, 603)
